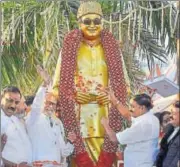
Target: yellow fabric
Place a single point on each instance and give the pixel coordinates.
(91, 74)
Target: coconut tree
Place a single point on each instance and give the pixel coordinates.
(33, 32)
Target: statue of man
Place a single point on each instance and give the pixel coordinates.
(90, 61)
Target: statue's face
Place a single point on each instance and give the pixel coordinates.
(91, 26)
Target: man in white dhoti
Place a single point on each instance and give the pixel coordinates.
(17, 149)
(46, 130)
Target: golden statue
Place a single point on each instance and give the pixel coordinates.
(90, 61)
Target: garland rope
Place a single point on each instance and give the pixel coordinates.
(147, 19)
(110, 23)
(12, 26)
(152, 9)
(139, 26)
(57, 33)
(129, 28)
(35, 31)
(139, 7)
(45, 30)
(150, 17)
(122, 20)
(67, 23)
(8, 35)
(23, 31)
(175, 22)
(120, 29)
(170, 21)
(162, 19)
(2, 25)
(134, 27)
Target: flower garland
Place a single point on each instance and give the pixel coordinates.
(66, 105)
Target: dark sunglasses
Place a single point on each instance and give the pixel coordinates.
(88, 21)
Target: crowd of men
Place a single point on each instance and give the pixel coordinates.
(38, 137)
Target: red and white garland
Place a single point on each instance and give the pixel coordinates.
(66, 105)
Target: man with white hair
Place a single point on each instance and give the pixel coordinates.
(46, 130)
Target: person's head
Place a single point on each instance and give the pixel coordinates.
(10, 98)
(50, 104)
(29, 101)
(164, 119)
(21, 109)
(175, 114)
(140, 104)
(90, 19)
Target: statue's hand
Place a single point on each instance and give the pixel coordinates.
(103, 99)
(82, 98)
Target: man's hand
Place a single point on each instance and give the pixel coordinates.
(112, 97)
(105, 122)
(71, 137)
(103, 99)
(109, 131)
(44, 75)
(82, 98)
(3, 141)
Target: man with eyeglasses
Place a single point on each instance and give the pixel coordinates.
(45, 130)
(17, 149)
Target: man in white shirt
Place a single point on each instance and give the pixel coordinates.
(141, 138)
(18, 149)
(46, 130)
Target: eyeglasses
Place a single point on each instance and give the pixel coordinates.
(87, 21)
(11, 101)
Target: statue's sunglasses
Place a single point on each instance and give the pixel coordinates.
(88, 21)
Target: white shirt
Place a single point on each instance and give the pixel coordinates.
(47, 142)
(141, 140)
(18, 147)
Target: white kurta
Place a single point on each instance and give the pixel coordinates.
(141, 140)
(18, 147)
(47, 142)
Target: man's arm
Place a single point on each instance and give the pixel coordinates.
(122, 109)
(38, 102)
(66, 148)
(136, 133)
(109, 131)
